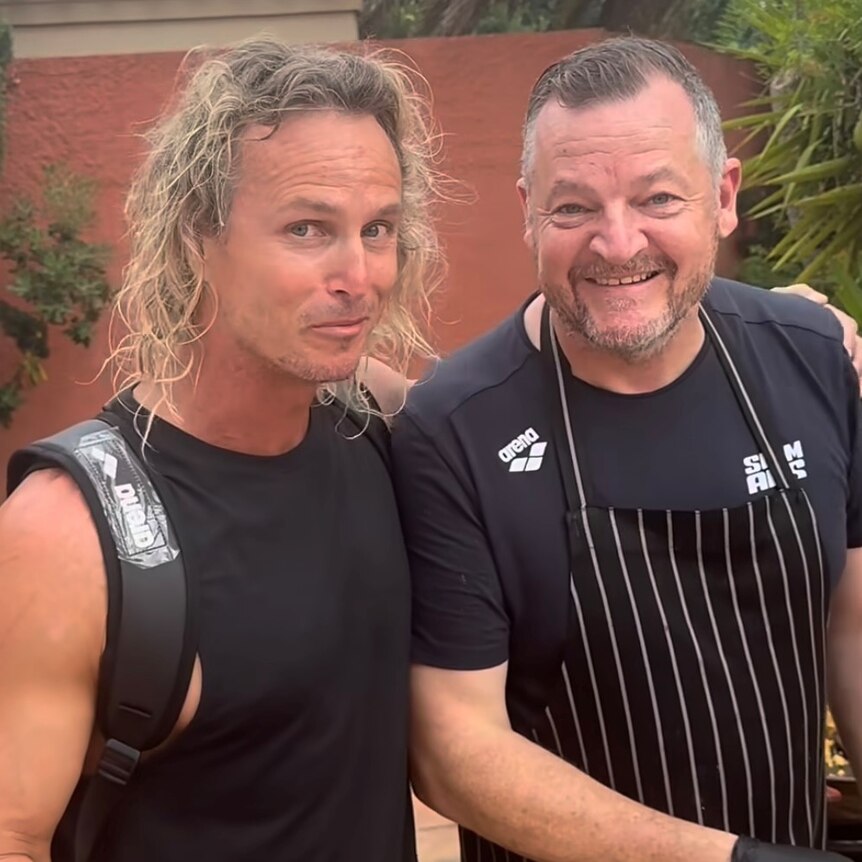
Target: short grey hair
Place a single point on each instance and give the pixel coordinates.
(618, 69)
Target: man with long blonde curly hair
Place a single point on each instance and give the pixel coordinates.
(280, 234)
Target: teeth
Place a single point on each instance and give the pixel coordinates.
(629, 279)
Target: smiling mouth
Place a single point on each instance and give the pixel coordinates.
(637, 278)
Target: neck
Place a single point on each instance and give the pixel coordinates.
(606, 370)
(256, 411)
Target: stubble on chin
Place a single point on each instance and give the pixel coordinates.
(632, 344)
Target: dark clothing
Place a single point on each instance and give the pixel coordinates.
(298, 750)
(692, 561)
(486, 543)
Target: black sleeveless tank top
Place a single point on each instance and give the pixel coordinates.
(298, 750)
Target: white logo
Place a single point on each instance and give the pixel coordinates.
(758, 475)
(529, 443)
(109, 462)
(130, 506)
(134, 515)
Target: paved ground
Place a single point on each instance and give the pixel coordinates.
(436, 837)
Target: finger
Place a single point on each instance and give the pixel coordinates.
(833, 794)
(805, 291)
(851, 339)
(850, 329)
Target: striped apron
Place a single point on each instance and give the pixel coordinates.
(692, 675)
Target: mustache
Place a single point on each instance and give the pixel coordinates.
(349, 309)
(635, 266)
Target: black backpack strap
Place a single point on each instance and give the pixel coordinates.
(151, 637)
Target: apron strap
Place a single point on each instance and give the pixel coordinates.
(564, 440)
(760, 428)
(558, 403)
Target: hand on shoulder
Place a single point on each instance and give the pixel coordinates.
(388, 386)
(849, 326)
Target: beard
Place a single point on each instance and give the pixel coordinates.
(640, 342)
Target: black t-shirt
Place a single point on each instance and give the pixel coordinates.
(298, 751)
(479, 487)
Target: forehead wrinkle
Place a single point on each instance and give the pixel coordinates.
(328, 169)
(331, 189)
(575, 161)
(576, 169)
(332, 192)
(560, 132)
(268, 157)
(608, 145)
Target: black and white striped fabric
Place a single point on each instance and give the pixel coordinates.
(692, 678)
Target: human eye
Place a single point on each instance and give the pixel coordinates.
(570, 210)
(379, 230)
(662, 199)
(304, 229)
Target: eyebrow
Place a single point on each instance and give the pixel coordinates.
(391, 211)
(324, 208)
(312, 204)
(568, 187)
(663, 174)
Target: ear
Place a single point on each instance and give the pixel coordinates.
(728, 189)
(524, 197)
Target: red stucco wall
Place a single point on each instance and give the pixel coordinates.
(90, 112)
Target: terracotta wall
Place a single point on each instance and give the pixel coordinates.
(90, 112)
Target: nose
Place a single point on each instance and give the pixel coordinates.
(350, 269)
(618, 236)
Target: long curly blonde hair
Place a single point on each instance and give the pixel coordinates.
(183, 190)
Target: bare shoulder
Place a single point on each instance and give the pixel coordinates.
(388, 386)
(52, 630)
(51, 569)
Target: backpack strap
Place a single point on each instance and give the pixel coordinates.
(151, 638)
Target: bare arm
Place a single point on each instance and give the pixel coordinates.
(471, 766)
(845, 658)
(389, 387)
(52, 627)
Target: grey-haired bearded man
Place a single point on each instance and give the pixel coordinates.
(627, 509)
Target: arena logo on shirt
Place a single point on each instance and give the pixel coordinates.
(533, 449)
(758, 475)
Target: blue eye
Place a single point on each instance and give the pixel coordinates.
(378, 230)
(304, 229)
(571, 209)
(663, 199)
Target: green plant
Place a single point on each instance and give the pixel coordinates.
(807, 176)
(503, 17)
(58, 278)
(674, 19)
(398, 19)
(55, 277)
